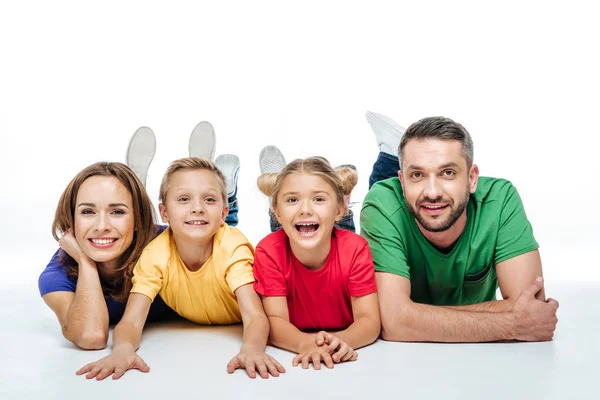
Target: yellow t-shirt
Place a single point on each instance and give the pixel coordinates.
(205, 296)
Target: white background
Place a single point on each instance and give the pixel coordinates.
(78, 78)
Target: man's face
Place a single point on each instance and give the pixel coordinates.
(436, 182)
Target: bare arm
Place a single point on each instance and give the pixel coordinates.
(82, 315)
(527, 319)
(252, 355)
(367, 324)
(514, 276)
(126, 340)
(283, 334)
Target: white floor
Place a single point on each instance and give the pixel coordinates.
(189, 360)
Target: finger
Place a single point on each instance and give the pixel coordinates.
(334, 344)
(316, 360)
(553, 303)
(141, 365)
(320, 338)
(84, 369)
(328, 361)
(94, 371)
(106, 371)
(339, 355)
(305, 361)
(535, 287)
(251, 370)
(354, 356)
(278, 366)
(233, 365)
(119, 372)
(262, 370)
(272, 367)
(348, 355)
(297, 360)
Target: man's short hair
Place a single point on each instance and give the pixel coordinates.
(439, 128)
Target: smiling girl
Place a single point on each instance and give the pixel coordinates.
(312, 275)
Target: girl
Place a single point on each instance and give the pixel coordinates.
(312, 275)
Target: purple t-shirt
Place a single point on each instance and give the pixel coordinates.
(55, 279)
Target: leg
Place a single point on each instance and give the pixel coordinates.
(386, 166)
(271, 160)
(229, 165)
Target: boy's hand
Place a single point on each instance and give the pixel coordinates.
(116, 363)
(253, 360)
(340, 351)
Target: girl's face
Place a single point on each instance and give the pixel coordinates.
(104, 219)
(307, 209)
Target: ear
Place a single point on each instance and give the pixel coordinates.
(340, 212)
(473, 178)
(163, 213)
(225, 213)
(401, 179)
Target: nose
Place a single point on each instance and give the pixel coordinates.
(433, 189)
(197, 207)
(306, 207)
(103, 224)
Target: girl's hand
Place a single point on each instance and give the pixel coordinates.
(117, 364)
(253, 360)
(311, 352)
(339, 349)
(69, 244)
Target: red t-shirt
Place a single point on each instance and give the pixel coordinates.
(317, 300)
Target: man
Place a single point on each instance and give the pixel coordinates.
(443, 239)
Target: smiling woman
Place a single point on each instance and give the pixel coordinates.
(103, 221)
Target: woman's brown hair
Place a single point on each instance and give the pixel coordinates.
(144, 223)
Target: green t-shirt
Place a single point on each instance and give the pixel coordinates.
(497, 229)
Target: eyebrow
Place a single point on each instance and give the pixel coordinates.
(443, 166)
(110, 205)
(313, 192)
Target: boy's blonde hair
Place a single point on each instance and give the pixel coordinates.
(191, 163)
(342, 180)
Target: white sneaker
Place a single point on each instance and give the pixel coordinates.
(229, 165)
(203, 141)
(387, 132)
(271, 160)
(140, 152)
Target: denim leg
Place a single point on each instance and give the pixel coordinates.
(347, 222)
(386, 166)
(232, 218)
(275, 225)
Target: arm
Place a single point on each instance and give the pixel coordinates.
(126, 340)
(403, 320)
(82, 315)
(366, 326)
(514, 276)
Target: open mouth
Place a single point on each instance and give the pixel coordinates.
(102, 243)
(307, 228)
(434, 209)
(197, 223)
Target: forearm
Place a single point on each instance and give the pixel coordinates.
(127, 335)
(86, 321)
(286, 336)
(496, 306)
(256, 332)
(362, 332)
(424, 323)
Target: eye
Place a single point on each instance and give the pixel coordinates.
(448, 173)
(416, 175)
(210, 200)
(291, 200)
(87, 211)
(183, 199)
(319, 199)
(118, 212)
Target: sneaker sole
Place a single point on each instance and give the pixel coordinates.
(271, 160)
(140, 152)
(202, 141)
(229, 165)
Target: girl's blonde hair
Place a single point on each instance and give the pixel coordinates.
(342, 179)
(191, 163)
(144, 222)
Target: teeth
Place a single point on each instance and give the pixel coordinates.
(307, 224)
(434, 206)
(103, 241)
(195, 222)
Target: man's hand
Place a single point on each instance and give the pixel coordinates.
(116, 363)
(253, 360)
(535, 319)
(339, 349)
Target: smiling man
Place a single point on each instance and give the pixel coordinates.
(443, 239)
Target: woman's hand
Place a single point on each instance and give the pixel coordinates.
(69, 244)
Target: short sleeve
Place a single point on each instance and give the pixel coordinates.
(147, 276)
(362, 274)
(239, 267)
(387, 248)
(270, 280)
(54, 278)
(515, 236)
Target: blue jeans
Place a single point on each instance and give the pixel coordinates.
(232, 218)
(347, 222)
(386, 166)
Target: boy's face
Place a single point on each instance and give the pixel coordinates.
(194, 206)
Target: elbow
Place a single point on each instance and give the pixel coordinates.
(396, 330)
(92, 340)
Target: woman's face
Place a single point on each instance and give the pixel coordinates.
(104, 219)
